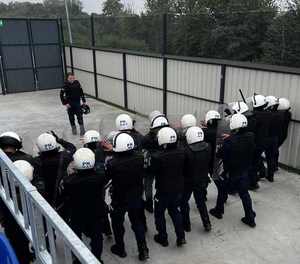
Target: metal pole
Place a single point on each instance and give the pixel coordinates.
(93, 43)
(222, 85)
(63, 46)
(165, 64)
(125, 81)
(2, 76)
(68, 22)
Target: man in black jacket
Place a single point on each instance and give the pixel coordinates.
(83, 191)
(237, 153)
(53, 165)
(71, 96)
(125, 169)
(196, 180)
(168, 164)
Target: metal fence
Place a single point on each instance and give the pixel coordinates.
(142, 82)
(39, 221)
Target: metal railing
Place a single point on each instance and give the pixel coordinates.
(44, 228)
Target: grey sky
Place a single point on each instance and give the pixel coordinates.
(95, 5)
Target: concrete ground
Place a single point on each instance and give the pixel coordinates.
(274, 240)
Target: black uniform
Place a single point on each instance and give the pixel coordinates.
(52, 169)
(12, 230)
(83, 191)
(262, 140)
(99, 167)
(72, 94)
(168, 165)
(196, 180)
(126, 172)
(286, 117)
(237, 153)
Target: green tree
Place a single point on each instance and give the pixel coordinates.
(112, 8)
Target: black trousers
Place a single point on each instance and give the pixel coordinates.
(133, 208)
(241, 184)
(272, 155)
(170, 202)
(75, 111)
(200, 197)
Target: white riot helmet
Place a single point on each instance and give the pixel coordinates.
(238, 121)
(46, 142)
(11, 139)
(284, 104)
(240, 107)
(258, 100)
(166, 135)
(124, 122)
(212, 115)
(25, 168)
(154, 114)
(123, 142)
(188, 121)
(159, 121)
(272, 101)
(91, 136)
(84, 159)
(194, 135)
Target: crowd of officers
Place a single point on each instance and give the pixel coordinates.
(181, 161)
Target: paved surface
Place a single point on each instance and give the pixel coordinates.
(276, 239)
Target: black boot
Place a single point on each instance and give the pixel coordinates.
(162, 241)
(74, 130)
(214, 212)
(270, 177)
(119, 251)
(149, 206)
(207, 226)
(143, 251)
(249, 222)
(180, 242)
(82, 130)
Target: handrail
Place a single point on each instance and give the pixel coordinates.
(38, 220)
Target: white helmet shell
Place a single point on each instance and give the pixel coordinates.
(194, 135)
(284, 104)
(12, 135)
(166, 135)
(188, 121)
(25, 168)
(154, 114)
(258, 100)
(46, 142)
(272, 101)
(159, 121)
(238, 121)
(240, 107)
(211, 115)
(84, 159)
(124, 122)
(123, 142)
(91, 136)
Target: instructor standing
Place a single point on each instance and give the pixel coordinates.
(71, 95)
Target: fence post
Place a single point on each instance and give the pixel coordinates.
(71, 58)
(222, 84)
(165, 63)
(93, 44)
(62, 45)
(125, 81)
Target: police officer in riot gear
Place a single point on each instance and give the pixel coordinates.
(284, 108)
(262, 129)
(125, 170)
(92, 141)
(53, 164)
(71, 96)
(196, 180)
(186, 122)
(237, 153)
(83, 191)
(150, 144)
(12, 229)
(168, 164)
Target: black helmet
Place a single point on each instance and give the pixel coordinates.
(85, 109)
(10, 139)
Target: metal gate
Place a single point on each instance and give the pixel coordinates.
(30, 55)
